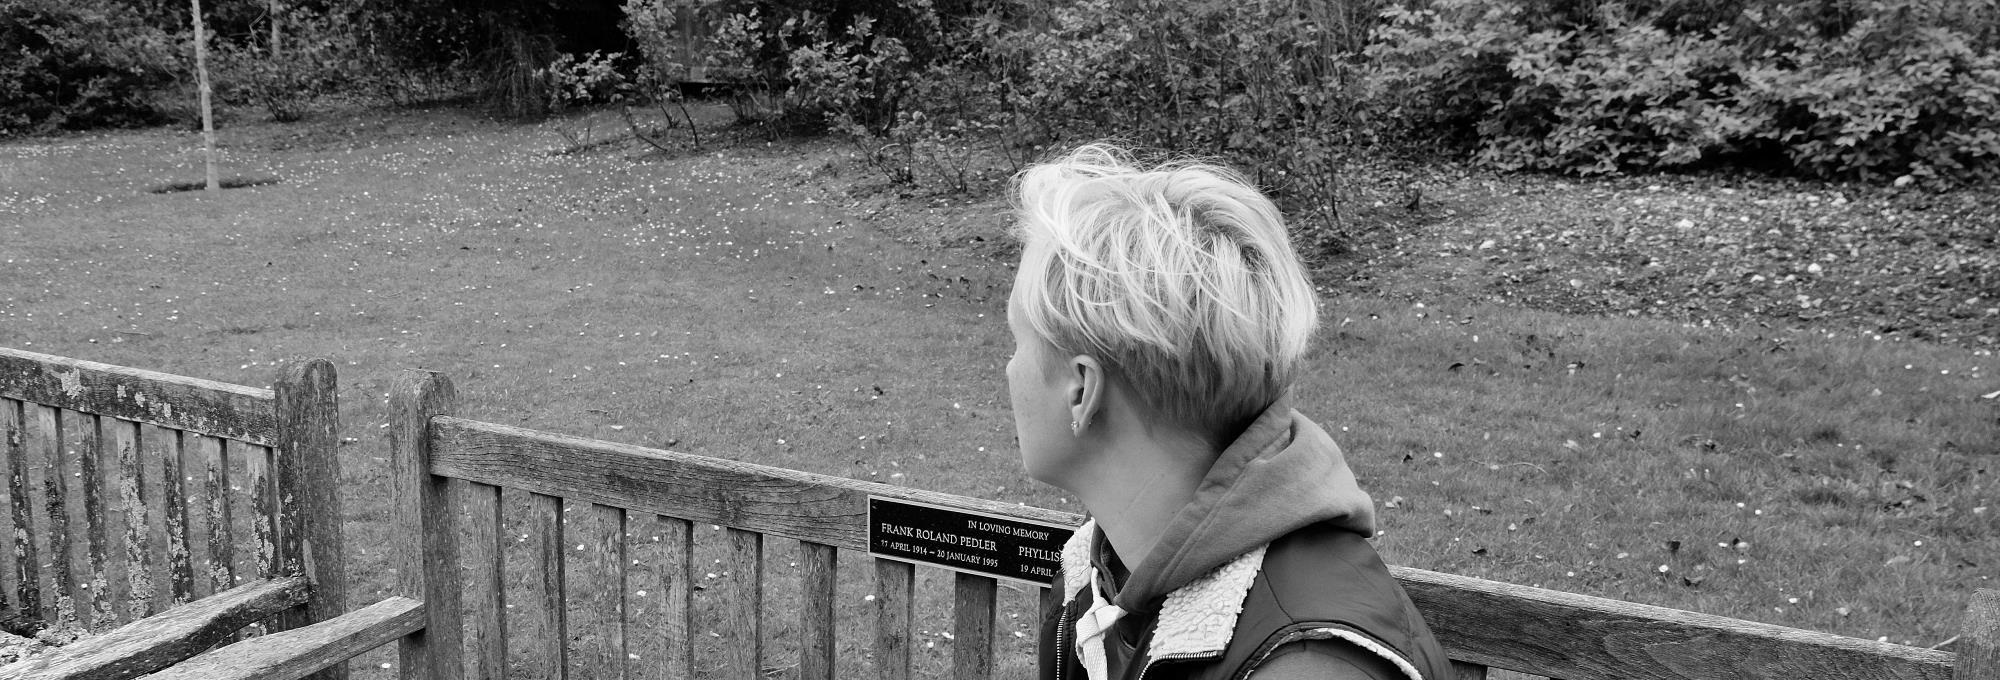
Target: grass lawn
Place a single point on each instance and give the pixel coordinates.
(742, 302)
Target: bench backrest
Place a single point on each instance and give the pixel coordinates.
(129, 491)
(585, 558)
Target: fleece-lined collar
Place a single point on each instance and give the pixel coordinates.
(1196, 620)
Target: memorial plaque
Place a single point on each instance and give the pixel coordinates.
(967, 541)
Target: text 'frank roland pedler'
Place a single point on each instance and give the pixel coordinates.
(962, 540)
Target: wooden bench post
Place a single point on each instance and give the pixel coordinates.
(309, 514)
(427, 559)
(1979, 639)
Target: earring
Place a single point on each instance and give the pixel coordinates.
(1075, 429)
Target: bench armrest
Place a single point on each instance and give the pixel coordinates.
(159, 641)
(303, 651)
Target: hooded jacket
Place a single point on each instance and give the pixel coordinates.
(1271, 551)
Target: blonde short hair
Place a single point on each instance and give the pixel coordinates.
(1179, 277)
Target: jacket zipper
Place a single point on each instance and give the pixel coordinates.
(1064, 649)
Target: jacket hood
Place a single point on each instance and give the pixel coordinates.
(1282, 474)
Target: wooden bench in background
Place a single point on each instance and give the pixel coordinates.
(130, 493)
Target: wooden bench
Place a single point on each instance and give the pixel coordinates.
(529, 554)
(458, 480)
(132, 494)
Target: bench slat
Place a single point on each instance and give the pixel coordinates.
(175, 477)
(1565, 635)
(676, 572)
(221, 571)
(742, 596)
(546, 521)
(26, 573)
(302, 651)
(818, 571)
(768, 500)
(134, 507)
(1467, 671)
(895, 600)
(55, 514)
(146, 646)
(486, 590)
(972, 627)
(179, 402)
(604, 569)
(90, 454)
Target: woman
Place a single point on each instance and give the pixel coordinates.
(1159, 317)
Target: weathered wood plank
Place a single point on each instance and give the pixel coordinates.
(55, 512)
(1565, 635)
(300, 652)
(427, 561)
(545, 521)
(262, 486)
(768, 500)
(306, 401)
(741, 591)
(179, 402)
(1979, 638)
(135, 510)
(26, 567)
(818, 571)
(146, 646)
(972, 626)
(602, 649)
(895, 600)
(90, 455)
(676, 574)
(486, 601)
(220, 574)
(174, 482)
(1467, 671)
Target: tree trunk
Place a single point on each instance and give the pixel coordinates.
(207, 113)
(276, 21)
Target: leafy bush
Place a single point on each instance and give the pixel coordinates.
(73, 65)
(1894, 88)
(321, 53)
(1262, 85)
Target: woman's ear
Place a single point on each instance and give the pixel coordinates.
(1085, 392)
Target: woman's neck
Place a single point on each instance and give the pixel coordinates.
(1144, 477)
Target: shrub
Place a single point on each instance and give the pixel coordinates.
(1261, 85)
(322, 53)
(1884, 90)
(73, 65)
